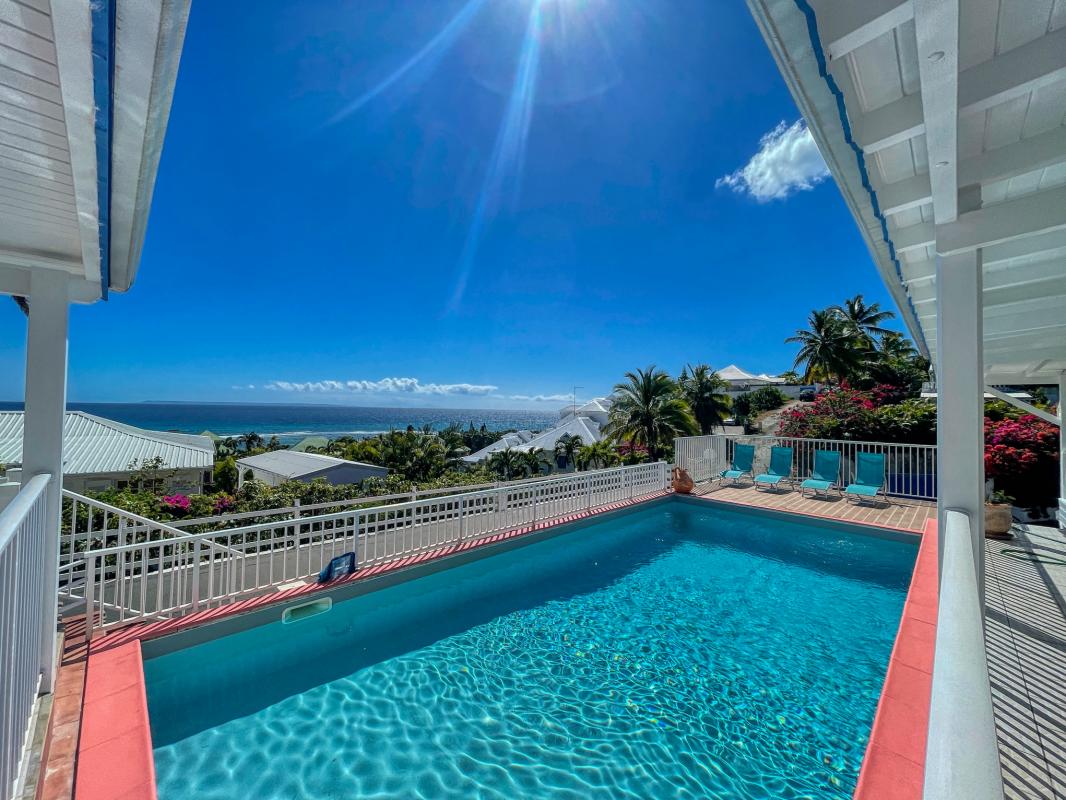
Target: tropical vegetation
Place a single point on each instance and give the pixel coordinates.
(704, 391)
(649, 409)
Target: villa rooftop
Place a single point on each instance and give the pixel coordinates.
(93, 444)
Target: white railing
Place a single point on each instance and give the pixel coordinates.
(962, 755)
(910, 469)
(175, 575)
(92, 523)
(23, 524)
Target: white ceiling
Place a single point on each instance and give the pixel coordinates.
(978, 89)
(49, 190)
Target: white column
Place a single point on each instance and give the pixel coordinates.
(42, 442)
(1062, 450)
(960, 398)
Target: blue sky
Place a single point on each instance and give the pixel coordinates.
(391, 202)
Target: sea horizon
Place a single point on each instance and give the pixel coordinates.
(291, 422)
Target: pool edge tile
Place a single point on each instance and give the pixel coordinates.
(893, 767)
(114, 757)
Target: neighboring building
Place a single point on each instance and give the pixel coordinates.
(98, 453)
(585, 421)
(308, 442)
(279, 466)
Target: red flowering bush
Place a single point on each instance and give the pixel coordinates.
(1021, 456)
(632, 453)
(842, 413)
(176, 502)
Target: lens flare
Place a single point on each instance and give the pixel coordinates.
(421, 62)
(508, 153)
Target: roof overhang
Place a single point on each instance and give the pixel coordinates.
(85, 93)
(943, 124)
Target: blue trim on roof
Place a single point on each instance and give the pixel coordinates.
(103, 48)
(860, 157)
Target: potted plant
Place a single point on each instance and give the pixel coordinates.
(998, 515)
(682, 481)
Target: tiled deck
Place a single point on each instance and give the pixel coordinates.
(1025, 635)
(908, 515)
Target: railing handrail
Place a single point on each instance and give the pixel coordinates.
(869, 443)
(157, 578)
(186, 536)
(281, 511)
(15, 511)
(145, 521)
(962, 754)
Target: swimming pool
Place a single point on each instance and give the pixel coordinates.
(682, 650)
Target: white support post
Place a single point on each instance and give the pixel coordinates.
(1062, 450)
(42, 438)
(960, 403)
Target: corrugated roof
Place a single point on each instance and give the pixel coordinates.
(93, 444)
(586, 428)
(290, 464)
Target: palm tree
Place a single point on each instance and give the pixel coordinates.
(535, 461)
(791, 377)
(597, 455)
(863, 320)
(893, 344)
(703, 389)
(648, 409)
(506, 463)
(566, 447)
(250, 440)
(827, 347)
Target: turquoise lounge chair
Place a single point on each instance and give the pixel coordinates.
(743, 460)
(869, 477)
(780, 468)
(825, 474)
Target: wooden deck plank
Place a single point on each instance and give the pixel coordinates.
(896, 512)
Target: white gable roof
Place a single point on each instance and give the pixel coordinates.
(93, 445)
(737, 375)
(292, 464)
(585, 427)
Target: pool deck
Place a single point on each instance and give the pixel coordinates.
(899, 513)
(1025, 638)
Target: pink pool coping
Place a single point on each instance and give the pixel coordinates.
(893, 767)
(114, 753)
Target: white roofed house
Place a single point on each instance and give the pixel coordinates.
(584, 421)
(943, 123)
(85, 93)
(101, 454)
(278, 466)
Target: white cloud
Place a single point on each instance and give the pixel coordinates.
(249, 386)
(383, 386)
(542, 398)
(788, 161)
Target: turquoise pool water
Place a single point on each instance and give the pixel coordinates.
(676, 651)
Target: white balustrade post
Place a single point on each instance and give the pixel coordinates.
(42, 438)
(1062, 451)
(196, 574)
(462, 517)
(960, 399)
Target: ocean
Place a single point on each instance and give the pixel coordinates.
(291, 423)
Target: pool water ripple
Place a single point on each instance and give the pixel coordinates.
(677, 653)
